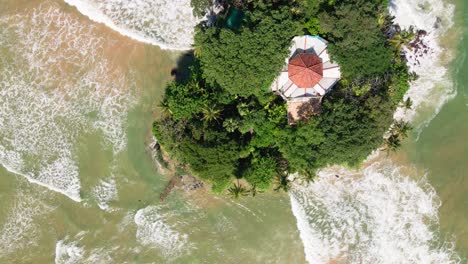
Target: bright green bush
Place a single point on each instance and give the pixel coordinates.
(261, 172)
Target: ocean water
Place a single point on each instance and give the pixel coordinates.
(409, 207)
(77, 183)
(166, 23)
(377, 215)
(430, 60)
(79, 88)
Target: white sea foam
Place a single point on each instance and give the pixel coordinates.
(71, 251)
(154, 230)
(18, 231)
(434, 86)
(376, 216)
(68, 252)
(105, 192)
(55, 86)
(165, 23)
(379, 215)
(100, 255)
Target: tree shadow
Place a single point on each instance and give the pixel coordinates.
(181, 72)
(309, 109)
(302, 112)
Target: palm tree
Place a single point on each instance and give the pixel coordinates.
(402, 39)
(408, 103)
(385, 20)
(282, 183)
(165, 109)
(393, 143)
(253, 190)
(237, 190)
(309, 176)
(230, 124)
(210, 113)
(401, 129)
(381, 18)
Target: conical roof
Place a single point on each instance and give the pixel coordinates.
(304, 75)
(305, 70)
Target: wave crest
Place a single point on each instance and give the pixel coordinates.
(379, 215)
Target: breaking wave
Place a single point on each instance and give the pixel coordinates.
(429, 60)
(378, 215)
(55, 86)
(71, 251)
(105, 192)
(153, 230)
(18, 231)
(68, 253)
(165, 23)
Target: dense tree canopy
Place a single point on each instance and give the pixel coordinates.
(356, 37)
(225, 124)
(244, 63)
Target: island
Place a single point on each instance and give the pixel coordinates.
(285, 87)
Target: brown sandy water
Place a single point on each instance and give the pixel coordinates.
(78, 100)
(77, 184)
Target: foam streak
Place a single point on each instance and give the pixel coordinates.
(168, 24)
(434, 87)
(380, 216)
(56, 85)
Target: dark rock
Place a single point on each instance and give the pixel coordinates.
(421, 33)
(437, 23)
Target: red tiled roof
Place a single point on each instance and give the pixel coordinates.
(305, 70)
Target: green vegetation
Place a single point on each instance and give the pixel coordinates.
(200, 7)
(408, 104)
(244, 63)
(225, 123)
(356, 39)
(398, 132)
(237, 190)
(400, 40)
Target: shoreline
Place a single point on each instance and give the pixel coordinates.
(313, 241)
(195, 190)
(94, 14)
(431, 62)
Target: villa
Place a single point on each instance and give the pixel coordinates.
(308, 74)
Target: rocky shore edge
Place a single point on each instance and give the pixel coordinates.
(178, 176)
